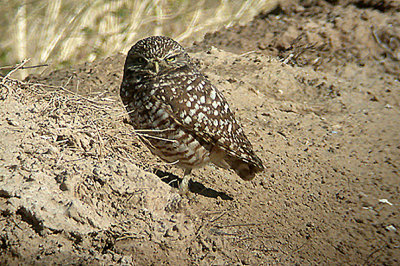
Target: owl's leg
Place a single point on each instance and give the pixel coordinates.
(184, 186)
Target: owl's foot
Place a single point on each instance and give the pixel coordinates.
(184, 185)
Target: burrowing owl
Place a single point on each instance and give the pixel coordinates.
(179, 115)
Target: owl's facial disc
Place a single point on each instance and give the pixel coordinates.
(155, 56)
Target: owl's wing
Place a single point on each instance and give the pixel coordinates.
(203, 111)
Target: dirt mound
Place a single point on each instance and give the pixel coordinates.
(316, 89)
(319, 34)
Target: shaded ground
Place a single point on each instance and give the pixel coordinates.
(316, 87)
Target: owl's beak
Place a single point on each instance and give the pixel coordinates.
(154, 66)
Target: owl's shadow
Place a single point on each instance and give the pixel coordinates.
(194, 187)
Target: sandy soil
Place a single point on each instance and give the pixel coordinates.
(316, 88)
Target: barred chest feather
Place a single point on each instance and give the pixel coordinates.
(159, 131)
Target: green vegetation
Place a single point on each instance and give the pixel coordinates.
(64, 32)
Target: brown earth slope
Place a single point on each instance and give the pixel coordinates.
(316, 88)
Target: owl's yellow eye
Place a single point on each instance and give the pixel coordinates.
(170, 59)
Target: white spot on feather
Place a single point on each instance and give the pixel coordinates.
(212, 94)
(201, 116)
(187, 120)
(192, 112)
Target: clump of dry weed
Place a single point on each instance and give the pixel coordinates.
(93, 125)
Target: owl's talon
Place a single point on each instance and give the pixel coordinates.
(184, 186)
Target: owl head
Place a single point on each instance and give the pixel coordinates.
(155, 56)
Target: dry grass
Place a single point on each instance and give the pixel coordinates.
(91, 126)
(61, 32)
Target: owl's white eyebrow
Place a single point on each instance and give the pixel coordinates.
(171, 54)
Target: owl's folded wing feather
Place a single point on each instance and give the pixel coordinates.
(204, 112)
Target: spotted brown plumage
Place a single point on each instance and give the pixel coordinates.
(179, 114)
